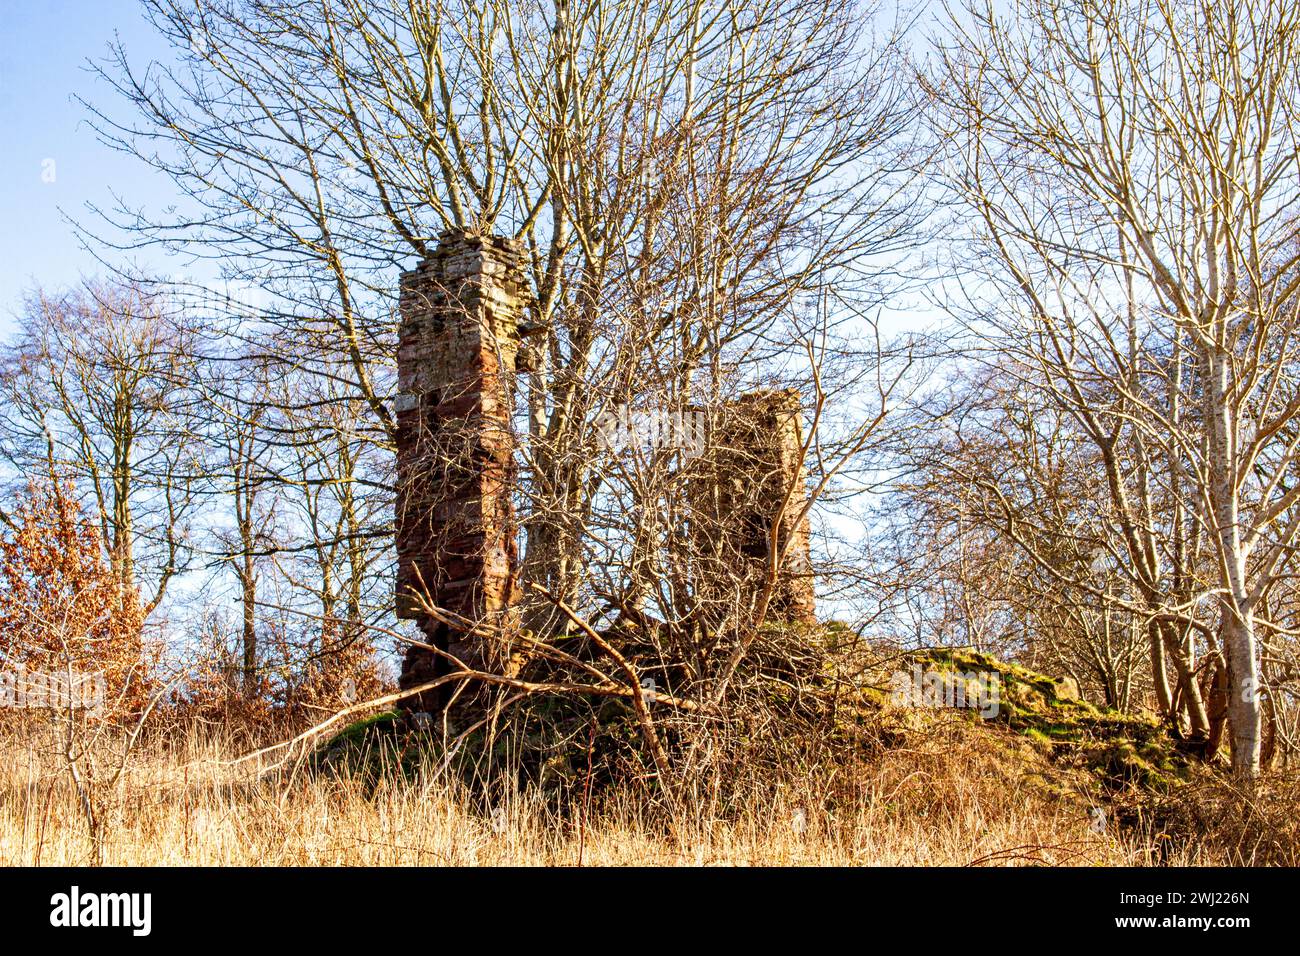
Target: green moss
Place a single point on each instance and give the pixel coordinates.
(374, 748)
(365, 728)
(1116, 750)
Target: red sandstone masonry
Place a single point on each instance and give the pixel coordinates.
(754, 457)
(460, 309)
(459, 336)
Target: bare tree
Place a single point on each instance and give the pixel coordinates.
(95, 389)
(1132, 171)
(713, 198)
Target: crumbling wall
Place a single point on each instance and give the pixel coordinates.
(737, 489)
(460, 311)
(457, 557)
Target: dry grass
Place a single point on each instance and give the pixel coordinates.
(946, 798)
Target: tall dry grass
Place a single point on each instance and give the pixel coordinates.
(947, 798)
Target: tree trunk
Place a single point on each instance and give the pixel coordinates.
(1159, 674)
(248, 589)
(1238, 615)
(1189, 692)
(1244, 724)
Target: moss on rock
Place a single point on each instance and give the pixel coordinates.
(373, 748)
(1116, 750)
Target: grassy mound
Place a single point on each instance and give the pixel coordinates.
(374, 748)
(1090, 751)
(1120, 751)
(1041, 751)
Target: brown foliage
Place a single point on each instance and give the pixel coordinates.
(62, 609)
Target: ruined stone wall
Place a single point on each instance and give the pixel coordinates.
(736, 489)
(460, 311)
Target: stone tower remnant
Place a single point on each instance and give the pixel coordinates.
(753, 462)
(456, 550)
(457, 573)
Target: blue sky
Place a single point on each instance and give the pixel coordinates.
(50, 163)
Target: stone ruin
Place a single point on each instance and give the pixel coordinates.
(458, 563)
(456, 550)
(736, 489)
